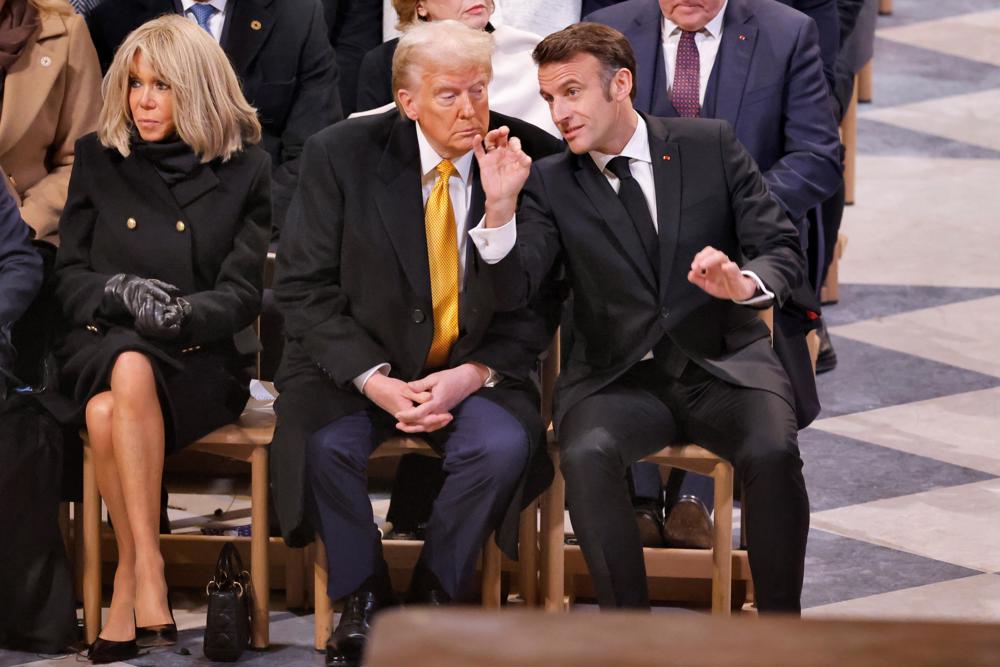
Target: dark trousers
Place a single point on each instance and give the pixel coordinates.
(485, 452)
(642, 412)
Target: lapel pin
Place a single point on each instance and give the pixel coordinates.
(667, 158)
(256, 25)
(46, 61)
(743, 38)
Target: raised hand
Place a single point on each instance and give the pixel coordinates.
(714, 272)
(503, 170)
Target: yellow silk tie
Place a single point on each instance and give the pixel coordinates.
(442, 256)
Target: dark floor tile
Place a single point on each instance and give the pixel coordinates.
(885, 139)
(866, 302)
(841, 471)
(839, 568)
(905, 74)
(869, 377)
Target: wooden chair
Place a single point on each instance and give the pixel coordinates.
(849, 137)
(830, 292)
(246, 440)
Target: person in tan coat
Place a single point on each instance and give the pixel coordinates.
(50, 90)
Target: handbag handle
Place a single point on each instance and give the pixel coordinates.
(229, 570)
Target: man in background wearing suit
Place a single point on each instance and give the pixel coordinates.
(756, 64)
(669, 240)
(390, 329)
(280, 51)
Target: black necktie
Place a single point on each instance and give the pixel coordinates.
(634, 201)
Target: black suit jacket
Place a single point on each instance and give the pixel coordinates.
(354, 28)
(281, 52)
(353, 285)
(375, 76)
(708, 192)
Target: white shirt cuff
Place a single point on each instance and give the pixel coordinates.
(764, 295)
(359, 382)
(494, 243)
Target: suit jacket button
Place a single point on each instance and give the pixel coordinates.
(664, 312)
(131, 223)
(417, 316)
(180, 226)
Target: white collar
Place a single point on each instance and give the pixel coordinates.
(637, 147)
(713, 27)
(429, 159)
(220, 5)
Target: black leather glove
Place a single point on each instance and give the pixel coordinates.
(125, 294)
(163, 321)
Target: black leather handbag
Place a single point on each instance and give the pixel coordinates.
(227, 628)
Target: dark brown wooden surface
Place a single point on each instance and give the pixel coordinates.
(469, 637)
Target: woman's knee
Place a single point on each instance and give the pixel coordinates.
(99, 413)
(132, 374)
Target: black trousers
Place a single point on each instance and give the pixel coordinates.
(642, 412)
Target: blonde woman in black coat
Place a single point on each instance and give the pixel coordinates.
(159, 274)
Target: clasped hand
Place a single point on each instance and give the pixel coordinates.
(425, 405)
(156, 308)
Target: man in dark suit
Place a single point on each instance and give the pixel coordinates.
(20, 277)
(758, 65)
(670, 240)
(354, 28)
(390, 329)
(281, 53)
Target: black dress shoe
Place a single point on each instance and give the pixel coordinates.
(689, 525)
(347, 643)
(425, 589)
(827, 359)
(650, 524)
(103, 651)
(164, 634)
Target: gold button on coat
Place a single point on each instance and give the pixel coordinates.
(131, 223)
(256, 25)
(180, 226)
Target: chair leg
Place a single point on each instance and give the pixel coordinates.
(259, 538)
(527, 553)
(323, 623)
(491, 574)
(91, 548)
(849, 134)
(722, 557)
(553, 541)
(294, 579)
(865, 82)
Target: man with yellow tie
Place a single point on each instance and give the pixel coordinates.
(390, 329)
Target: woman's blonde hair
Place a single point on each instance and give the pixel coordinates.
(210, 112)
(52, 7)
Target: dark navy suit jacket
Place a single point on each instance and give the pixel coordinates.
(20, 273)
(768, 82)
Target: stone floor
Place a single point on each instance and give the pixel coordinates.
(903, 465)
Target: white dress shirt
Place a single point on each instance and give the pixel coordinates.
(215, 22)
(707, 41)
(460, 193)
(494, 244)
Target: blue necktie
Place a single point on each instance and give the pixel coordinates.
(203, 12)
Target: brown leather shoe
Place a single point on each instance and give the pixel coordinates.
(689, 525)
(650, 527)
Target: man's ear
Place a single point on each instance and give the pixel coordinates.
(621, 84)
(407, 102)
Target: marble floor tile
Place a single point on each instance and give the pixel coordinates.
(869, 377)
(975, 36)
(865, 302)
(971, 599)
(880, 138)
(963, 334)
(874, 472)
(956, 524)
(840, 568)
(923, 222)
(962, 429)
(970, 118)
(905, 12)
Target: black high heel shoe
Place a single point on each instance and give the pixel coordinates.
(103, 651)
(158, 635)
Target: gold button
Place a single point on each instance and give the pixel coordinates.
(180, 226)
(131, 223)
(256, 25)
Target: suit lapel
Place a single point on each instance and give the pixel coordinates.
(400, 204)
(192, 189)
(31, 78)
(739, 38)
(246, 31)
(613, 214)
(666, 158)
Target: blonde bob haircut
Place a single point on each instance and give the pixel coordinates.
(210, 112)
(439, 46)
